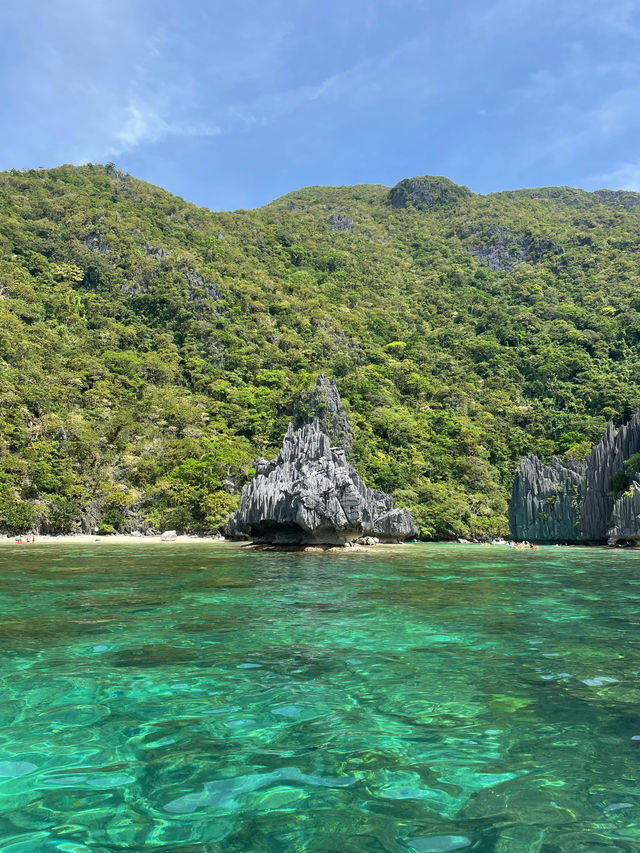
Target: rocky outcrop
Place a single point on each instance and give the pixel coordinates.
(427, 191)
(501, 248)
(310, 494)
(155, 251)
(323, 404)
(546, 501)
(625, 516)
(593, 503)
(618, 198)
(201, 286)
(96, 243)
(341, 222)
(605, 460)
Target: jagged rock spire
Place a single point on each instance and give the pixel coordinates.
(569, 502)
(546, 501)
(607, 458)
(310, 494)
(324, 404)
(625, 515)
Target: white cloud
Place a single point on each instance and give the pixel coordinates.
(625, 177)
(143, 124)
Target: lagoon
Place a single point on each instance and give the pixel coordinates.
(213, 698)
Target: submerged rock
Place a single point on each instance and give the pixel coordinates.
(311, 494)
(546, 501)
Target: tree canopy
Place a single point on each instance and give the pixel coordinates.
(151, 349)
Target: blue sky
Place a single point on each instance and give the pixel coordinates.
(231, 104)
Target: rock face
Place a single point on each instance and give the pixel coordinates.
(502, 249)
(621, 198)
(341, 222)
(323, 404)
(311, 494)
(546, 501)
(606, 459)
(426, 191)
(565, 503)
(625, 515)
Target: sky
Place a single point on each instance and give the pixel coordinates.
(232, 104)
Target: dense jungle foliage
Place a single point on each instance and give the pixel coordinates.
(150, 349)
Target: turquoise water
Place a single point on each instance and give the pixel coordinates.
(426, 698)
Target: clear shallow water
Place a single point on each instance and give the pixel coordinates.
(427, 698)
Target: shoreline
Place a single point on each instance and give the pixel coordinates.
(120, 538)
(186, 539)
(128, 539)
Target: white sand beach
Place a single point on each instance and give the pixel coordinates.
(121, 538)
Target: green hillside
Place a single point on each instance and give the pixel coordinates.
(150, 349)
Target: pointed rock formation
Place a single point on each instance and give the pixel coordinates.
(606, 459)
(311, 494)
(323, 404)
(625, 516)
(546, 500)
(548, 503)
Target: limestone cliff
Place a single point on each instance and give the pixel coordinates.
(564, 503)
(546, 500)
(606, 459)
(625, 515)
(310, 494)
(324, 404)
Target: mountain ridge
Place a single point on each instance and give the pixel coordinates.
(168, 342)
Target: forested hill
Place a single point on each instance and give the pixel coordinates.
(150, 349)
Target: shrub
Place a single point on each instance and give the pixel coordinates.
(63, 516)
(19, 517)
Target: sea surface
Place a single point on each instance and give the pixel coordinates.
(424, 698)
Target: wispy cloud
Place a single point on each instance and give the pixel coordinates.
(621, 17)
(624, 177)
(361, 84)
(142, 124)
(493, 92)
(572, 131)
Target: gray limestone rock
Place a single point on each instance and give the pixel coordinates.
(621, 198)
(96, 243)
(546, 500)
(341, 222)
(605, 460)
(501, 249)
(324, 404)
(367, 540)
(310, 494)
(625, 515)
(426, 191)
(564, 503)
(155, 251)
(201, 286)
